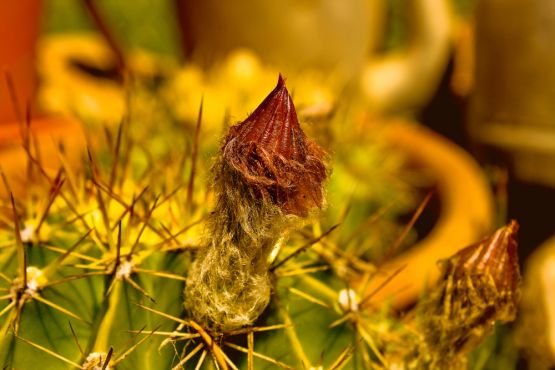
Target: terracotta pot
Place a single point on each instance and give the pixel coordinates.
(19, 29)
(50, 133)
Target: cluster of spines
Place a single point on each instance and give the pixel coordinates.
(108, 237)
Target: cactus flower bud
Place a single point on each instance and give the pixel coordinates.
(495, 259)
(480, 286)
(268, 176)
(274, 158)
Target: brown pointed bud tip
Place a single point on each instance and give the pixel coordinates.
(274, 157)
(496, 256)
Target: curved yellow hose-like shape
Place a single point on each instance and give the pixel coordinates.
(466, 212)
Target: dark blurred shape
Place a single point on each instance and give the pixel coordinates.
(512, 110)
(445, 113)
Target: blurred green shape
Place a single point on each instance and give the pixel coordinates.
(144, 24)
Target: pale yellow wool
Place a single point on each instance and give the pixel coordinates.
(229, 284)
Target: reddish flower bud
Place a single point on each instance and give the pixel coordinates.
(495, 256)
(271, 153)
(479, 287)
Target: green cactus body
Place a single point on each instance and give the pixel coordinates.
(120, 265)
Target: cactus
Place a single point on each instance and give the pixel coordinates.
(121, 264)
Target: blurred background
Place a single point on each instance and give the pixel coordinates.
(476, 75)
